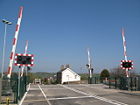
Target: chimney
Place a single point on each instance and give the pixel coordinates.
(67, 66)
(62, 67)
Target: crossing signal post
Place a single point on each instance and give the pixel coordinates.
(90, 68)
(90, 81)
(127, 65)
(23, 60)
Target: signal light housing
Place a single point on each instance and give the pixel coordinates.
(24, 60)
(127, 64)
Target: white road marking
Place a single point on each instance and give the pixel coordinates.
(44, 95)
(33, 88)
(37, 100)
(90, 86)
(65, 98)
(95, 96)
(20, 103)
(54, 88)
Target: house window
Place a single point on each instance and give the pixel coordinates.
(68, 77)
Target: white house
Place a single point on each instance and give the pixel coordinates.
(67, 76)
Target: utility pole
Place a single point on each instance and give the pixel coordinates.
(3, 55)
(4, 44)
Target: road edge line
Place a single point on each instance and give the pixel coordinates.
(44, 95)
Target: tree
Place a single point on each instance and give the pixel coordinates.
(45, 80)
(31, 77)
(117, 72)
(104, 73)
(133, 73)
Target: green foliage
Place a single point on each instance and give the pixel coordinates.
(105, 73)
(31, 77)
(45, 81)
(40, 75)
(43, 74)
(85, 76)
(54, 82)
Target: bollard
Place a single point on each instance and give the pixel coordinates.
(109, 79)
(95, 80)
(7, 101)
(115, 83)
(131, 83)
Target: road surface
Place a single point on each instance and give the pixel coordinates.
(78, 94)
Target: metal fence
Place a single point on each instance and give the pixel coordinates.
(6, 91)
(123, 83)
(11, 90)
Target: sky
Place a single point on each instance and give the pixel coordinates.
(60, 31)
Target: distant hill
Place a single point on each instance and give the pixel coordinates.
(43, 74)
(84, 76)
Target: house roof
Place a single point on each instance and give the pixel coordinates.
(60, 71)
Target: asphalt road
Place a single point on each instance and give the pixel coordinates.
(80, 94)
